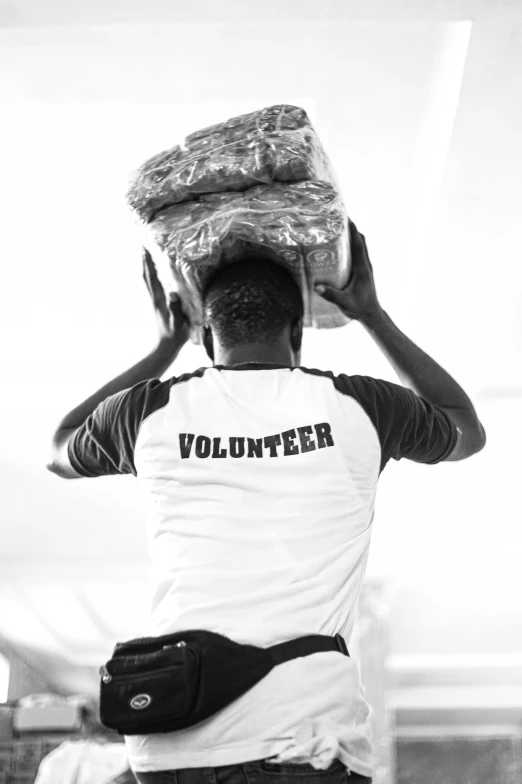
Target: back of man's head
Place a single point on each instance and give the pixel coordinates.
(251, 301)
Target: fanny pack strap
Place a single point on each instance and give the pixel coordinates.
(304, 646)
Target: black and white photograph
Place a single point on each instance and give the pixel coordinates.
(261, 397)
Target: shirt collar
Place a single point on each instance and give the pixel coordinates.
(251, 366)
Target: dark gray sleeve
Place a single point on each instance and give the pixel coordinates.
(105, 443)
(407, 425)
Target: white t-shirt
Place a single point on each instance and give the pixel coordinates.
(259, 483)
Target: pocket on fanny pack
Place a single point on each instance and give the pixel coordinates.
(132, 697)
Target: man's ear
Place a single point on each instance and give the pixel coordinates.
(296, 335)
(208, 342)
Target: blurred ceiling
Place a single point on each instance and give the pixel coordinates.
(31, 13)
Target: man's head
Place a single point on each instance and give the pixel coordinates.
(253, 312)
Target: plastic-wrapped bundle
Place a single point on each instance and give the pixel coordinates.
(276, 144)
(202, 206)
(301, 226)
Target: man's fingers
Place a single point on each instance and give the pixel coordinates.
(359, 252)
(156, 291)
(148, 264)
(150, 273)
(357, 243)
(328, 293)
(354, 231)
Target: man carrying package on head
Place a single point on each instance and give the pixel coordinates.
(260, 478)
(257, 186)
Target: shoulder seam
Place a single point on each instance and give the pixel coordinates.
(329, 374)
(347, 394)
(199, 373)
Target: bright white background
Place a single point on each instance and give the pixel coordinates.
(418, 105)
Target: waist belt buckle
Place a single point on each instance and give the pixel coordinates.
(341, 645)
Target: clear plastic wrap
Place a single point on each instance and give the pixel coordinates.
(260, 183)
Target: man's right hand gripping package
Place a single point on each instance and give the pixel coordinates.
(260, 183)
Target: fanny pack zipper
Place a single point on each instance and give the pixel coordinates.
(107, 677)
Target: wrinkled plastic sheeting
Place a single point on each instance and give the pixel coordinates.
(261, 184)
(370, 646)
(83, 762)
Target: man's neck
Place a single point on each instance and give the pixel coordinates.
(270, 355)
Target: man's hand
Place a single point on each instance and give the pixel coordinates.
(358, 300)
(173, 325)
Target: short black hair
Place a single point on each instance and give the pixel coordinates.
(251, 301)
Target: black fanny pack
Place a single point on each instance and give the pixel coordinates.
(162, 684)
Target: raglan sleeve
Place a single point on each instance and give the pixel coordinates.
(105, 443)
(407, 425)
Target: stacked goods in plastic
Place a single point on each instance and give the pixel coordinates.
(260, 183)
